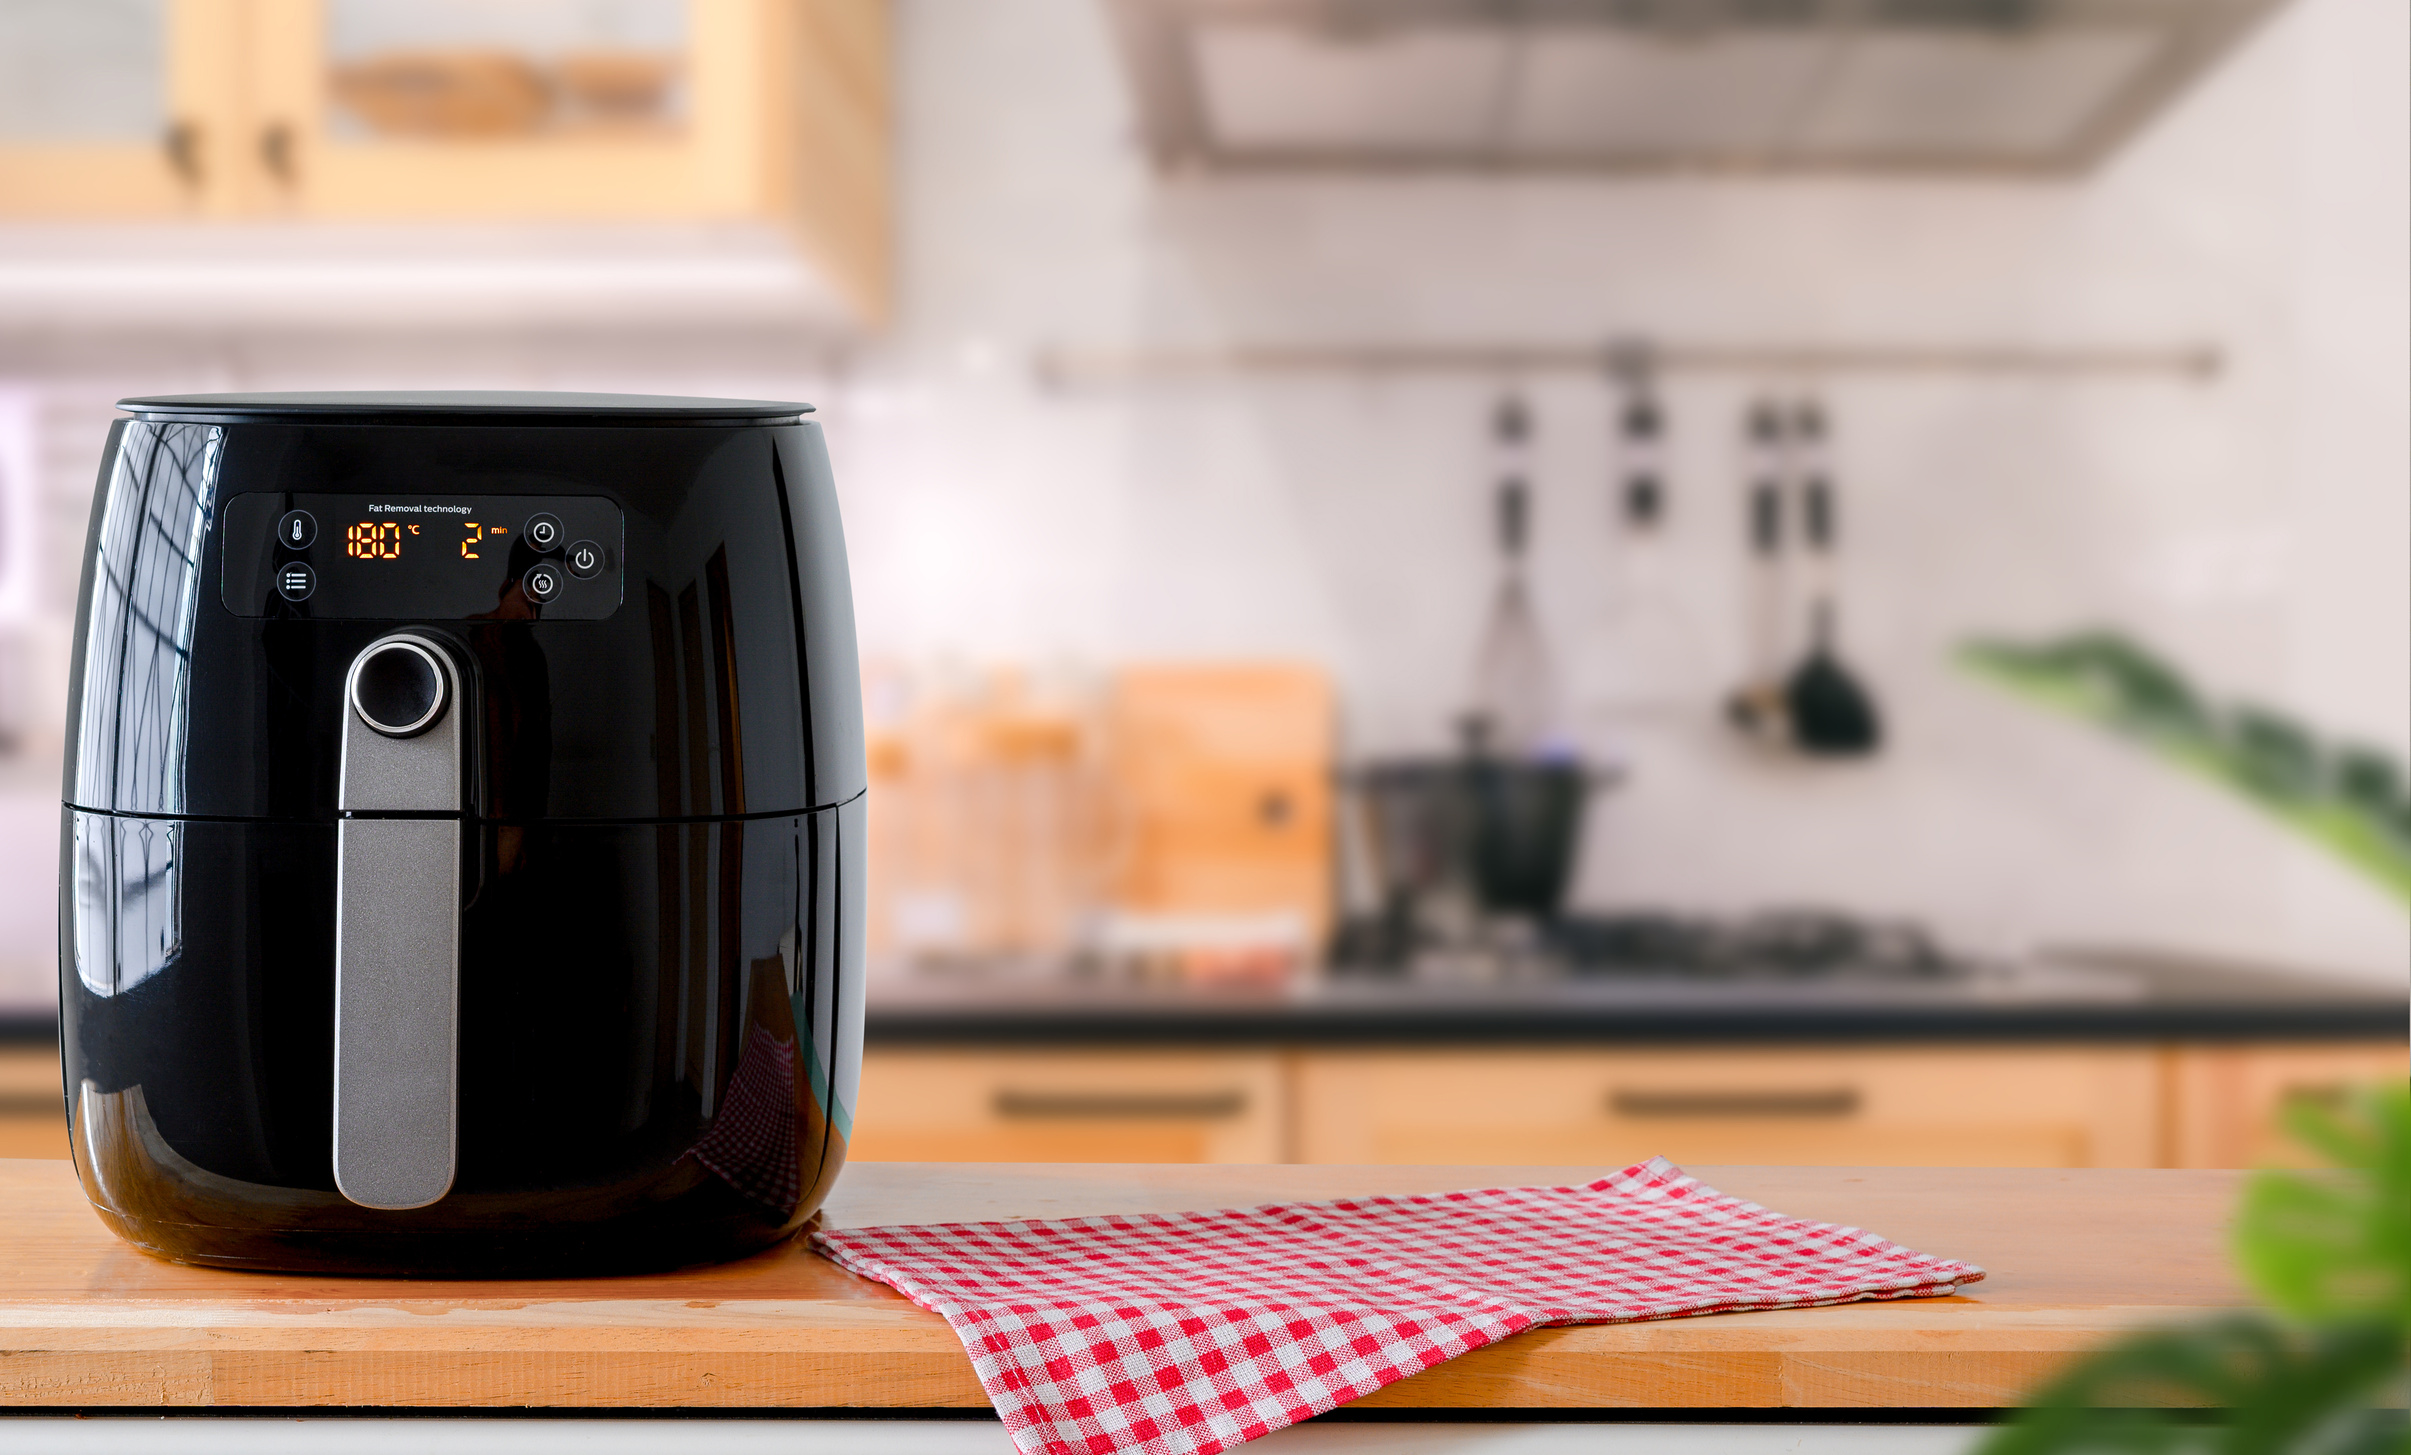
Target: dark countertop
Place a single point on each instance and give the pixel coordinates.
(2084, 996)
(2068, 996)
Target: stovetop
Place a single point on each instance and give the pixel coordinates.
(1781, 946)
(1648, 975)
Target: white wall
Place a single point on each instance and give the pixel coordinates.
(2257, 527)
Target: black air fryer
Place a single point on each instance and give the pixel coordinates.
(461, 865)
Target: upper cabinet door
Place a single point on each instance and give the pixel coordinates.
(467, 109)
(460, 111)
(119, 108)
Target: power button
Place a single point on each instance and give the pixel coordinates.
(585, 560)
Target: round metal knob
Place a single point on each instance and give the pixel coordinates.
(398, 689)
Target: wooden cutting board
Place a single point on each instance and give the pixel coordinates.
(2074, 1257)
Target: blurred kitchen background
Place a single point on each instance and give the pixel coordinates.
(1764, 580)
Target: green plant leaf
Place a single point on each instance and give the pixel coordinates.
(2330, 1249)
(2243, 1385)
(2349, 799)
(2336, 1244)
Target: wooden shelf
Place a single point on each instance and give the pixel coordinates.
(2074, 1257)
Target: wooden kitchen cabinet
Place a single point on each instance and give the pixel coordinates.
(2129, 1106)
(378, 110)
(930, 1105)
(1923, 1106)
(115, 107)
(2228, 1102)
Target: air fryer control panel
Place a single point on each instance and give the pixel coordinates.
(421, 558)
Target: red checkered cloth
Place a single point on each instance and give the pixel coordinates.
(1188, 1333)
(751, 1143)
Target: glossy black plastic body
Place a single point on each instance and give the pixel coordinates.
(662, 872)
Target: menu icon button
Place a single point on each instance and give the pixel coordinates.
(295, 581)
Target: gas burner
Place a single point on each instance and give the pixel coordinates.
(1781, 945)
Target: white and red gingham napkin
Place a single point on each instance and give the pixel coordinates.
(1188, 1333)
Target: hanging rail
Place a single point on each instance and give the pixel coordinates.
(1076, 366)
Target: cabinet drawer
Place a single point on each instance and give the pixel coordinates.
(1069, 1106)
(2231, 1100)
(1959, 1107)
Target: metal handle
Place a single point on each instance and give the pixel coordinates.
(1200, 1106)
(1837, 1101)
(182, 143)
(397, 924)
(2329, 1094)
(276, 152)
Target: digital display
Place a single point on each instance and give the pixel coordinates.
(375, 540)
(453, 557)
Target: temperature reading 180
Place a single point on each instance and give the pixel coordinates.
(374, 540)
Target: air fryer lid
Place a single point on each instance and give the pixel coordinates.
(456, 406)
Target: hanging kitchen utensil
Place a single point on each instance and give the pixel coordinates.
(1641, 496)
(1758, 707)
(1514, 691)
(1831, 713)
(1493, 832)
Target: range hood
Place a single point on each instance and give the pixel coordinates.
(2003, 86)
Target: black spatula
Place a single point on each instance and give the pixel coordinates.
(1830, 712)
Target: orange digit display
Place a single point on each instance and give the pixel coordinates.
(373, 540)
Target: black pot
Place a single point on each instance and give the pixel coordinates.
(1527, 831)
(1506, 832)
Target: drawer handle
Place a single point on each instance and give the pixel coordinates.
(1839, 1101)
(2328, 1094)
(1194, 1106)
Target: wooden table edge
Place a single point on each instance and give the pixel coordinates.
(403, 1346)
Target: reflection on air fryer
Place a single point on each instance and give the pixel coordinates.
(645, 826)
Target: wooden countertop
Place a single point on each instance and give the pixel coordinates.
(2073, 1257)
